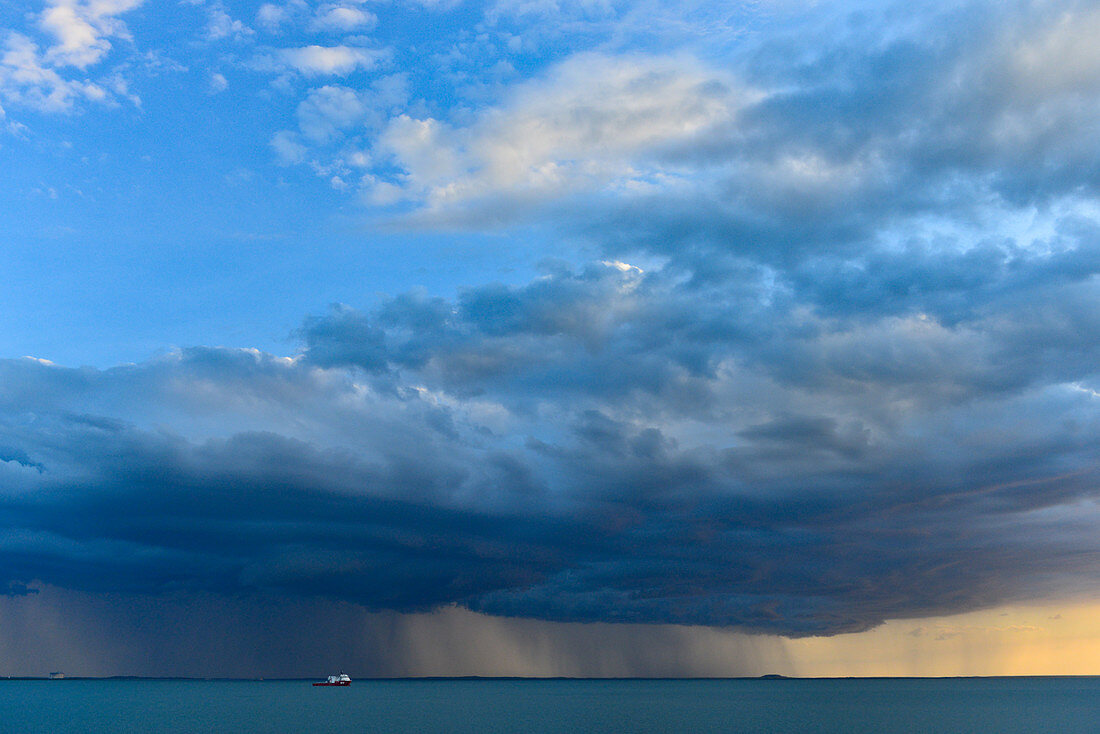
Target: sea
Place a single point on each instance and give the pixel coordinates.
(489, 705)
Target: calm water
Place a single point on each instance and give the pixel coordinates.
(945, 705)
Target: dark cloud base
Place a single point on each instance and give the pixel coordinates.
(796, 525)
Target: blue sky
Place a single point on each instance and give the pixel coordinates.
(775, 317)
(161, 214)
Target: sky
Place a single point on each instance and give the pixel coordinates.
(536, 337)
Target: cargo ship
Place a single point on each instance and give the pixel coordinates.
(336, 680)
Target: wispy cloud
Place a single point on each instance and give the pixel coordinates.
(330, 60)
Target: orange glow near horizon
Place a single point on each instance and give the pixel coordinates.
(1039, 639)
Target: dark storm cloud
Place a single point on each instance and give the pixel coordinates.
(154, 512)
(597, 468)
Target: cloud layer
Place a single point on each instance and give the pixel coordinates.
(603, 445)
(832, 359)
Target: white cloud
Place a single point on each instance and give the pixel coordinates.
(82, 29)
(342, 18)
(273, 16)
(288, 148)
(343, 120)
(27, 79)
(35, 78)
(218, 83)
(222, 25)
(596, 122)
(330, 60)
(328, 110)
(78, 42)
(1022, 97)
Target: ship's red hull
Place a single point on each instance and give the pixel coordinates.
(340, 683)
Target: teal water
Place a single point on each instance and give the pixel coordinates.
(486, 706)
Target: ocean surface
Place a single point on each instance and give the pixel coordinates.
(508, 705)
